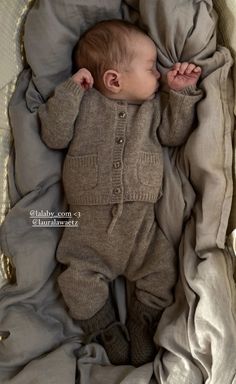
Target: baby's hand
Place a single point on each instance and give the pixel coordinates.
(83, 78)
(183, 75)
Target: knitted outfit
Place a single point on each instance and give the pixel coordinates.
(112, 175)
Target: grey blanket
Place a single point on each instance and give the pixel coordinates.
(197, 332)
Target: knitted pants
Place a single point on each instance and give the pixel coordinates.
(136, 248)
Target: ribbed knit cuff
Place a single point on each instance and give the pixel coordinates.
(104, 317)
(72, 86)
(139, 309)
(191, 90)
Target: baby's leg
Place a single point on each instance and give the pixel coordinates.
(157, 277)
(88, 253)
(85, 282)
(153, 268)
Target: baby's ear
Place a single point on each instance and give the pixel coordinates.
(111, 80)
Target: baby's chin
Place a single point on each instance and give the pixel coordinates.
(151, 97)
(147, 98)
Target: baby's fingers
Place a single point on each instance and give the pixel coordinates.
(197, 70)
(183, 67)
(190, 68)
(172, 73)
(89, 80)
(176, 67)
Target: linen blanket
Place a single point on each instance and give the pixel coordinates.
(197, 333)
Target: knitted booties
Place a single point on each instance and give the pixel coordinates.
(142, 324)
(114, 339)
(112, 335)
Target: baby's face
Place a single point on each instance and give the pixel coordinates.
(140, 80)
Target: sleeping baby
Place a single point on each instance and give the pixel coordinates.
(110, 116)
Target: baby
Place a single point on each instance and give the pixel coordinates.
(109, 115)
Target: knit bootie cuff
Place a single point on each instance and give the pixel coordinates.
(102, 319)
(101, 335)
(144, 313)
(142, 324)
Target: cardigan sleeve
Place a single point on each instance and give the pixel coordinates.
(178, 116)
(59, 113)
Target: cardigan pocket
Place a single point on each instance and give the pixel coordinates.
(150, 169)
(80, 173)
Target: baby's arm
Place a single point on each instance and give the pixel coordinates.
(178, 116)
(58, 115)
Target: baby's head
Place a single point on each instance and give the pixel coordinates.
(121, 59)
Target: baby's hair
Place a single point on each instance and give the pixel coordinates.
(105, 46)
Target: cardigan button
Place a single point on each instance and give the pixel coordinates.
(119, 140)
(116, 164)
(122, 115)
(117, 191)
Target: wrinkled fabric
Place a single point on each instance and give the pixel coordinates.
(11, 16)
(197, 332)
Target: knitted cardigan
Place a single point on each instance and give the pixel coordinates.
(115, 152)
